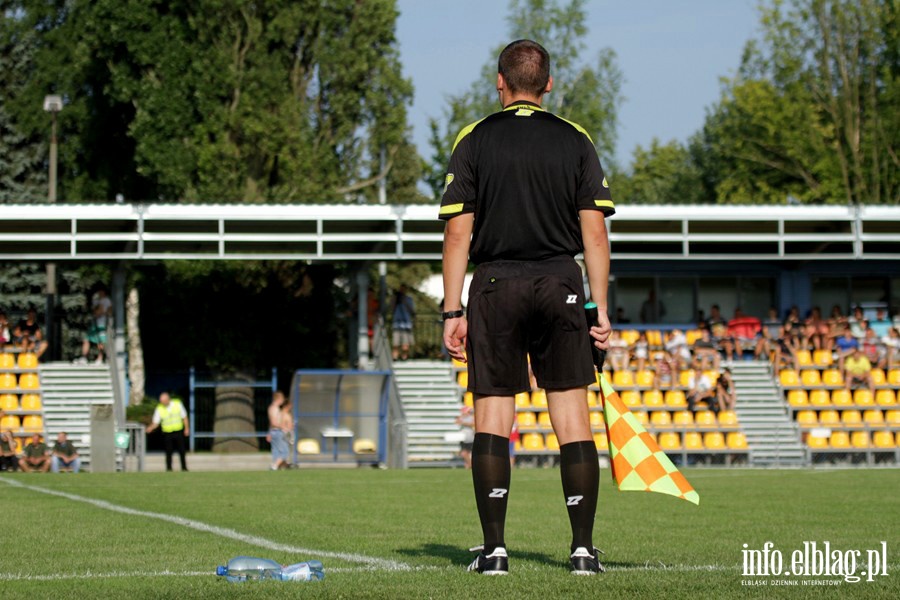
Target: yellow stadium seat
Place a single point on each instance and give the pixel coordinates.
(653, 398)
(654, 338)
(683, 418)
(543, 420)
(713, 376)
(851, 418)
(7, 381)
(684, 378)
(840, 440)
(692, 335)
(878, 377)
(893, 377)
(807, 418)
(462, 378)
(9, 402)
(661, 418)
(596, 417)
(631, 336)
(31, 402)
(736, 440)
(526, 420)
(33, 423)
(308, 446)
(363, 446)
(705, 418)
(601, 441)
(675, 399)
(873, 417)
(714, 440)
(832, 377)
(532, 442)
(892, 417)
(829, 417)
(27, 360)
(631, 398)
(804, 358)
(623, 379)
(29, 381)
(693, 441)
(552, 443)
(885, 398)
(863, 398)
(523, 400)
(819, 398)
(859, 439)
(788, 378)
(728, 418)
(10, 422)
(797, 398)
(517, 446)
(7, 360)
(841, 398)
(469, 399)
(822, 358)
(815, 442)
(810, 377)
(644, 378)
(644, 419)
(539, 400)
(592, 399)
(883, 439)
(669, 440)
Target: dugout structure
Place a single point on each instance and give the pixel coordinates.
(340, 416)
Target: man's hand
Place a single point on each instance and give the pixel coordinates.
(455, 332)
(601, 331)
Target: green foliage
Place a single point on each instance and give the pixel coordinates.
(588, 94)
(143, 412)
(661, 174)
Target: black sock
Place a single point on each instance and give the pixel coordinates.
(580, 474)
(490, 474)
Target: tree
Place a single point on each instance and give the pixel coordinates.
(813, 110)
(588, 94)
(661, 174)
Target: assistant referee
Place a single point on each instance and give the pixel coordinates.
(524, 194)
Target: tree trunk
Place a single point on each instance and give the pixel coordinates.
(234, 414)
(136, 373)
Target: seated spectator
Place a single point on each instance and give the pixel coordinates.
(32, 338)
(618, 355)
(858, 370)
(857, 322)
(881, 324)
(678, 349)
(8, 460)
(743, 330)
(65, 456)
(871, 347)
(845, 345)
(891, 344)
(816, 331)
(35, 457)
(5, 334)
(665, 369)
(700, 390)
(705, 350)
(793, 315)
(786, 347)
(641, 351)
(719, 329)
(726, 395)
(101, 316)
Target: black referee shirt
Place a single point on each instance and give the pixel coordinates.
(525, 173)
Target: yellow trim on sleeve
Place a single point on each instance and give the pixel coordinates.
(604, 203)
(451, 208)
(464, 132)
(578, 127)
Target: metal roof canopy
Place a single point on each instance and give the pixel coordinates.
(140, 232)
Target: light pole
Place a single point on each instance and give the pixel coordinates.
(52, 104)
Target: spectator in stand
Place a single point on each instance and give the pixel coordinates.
(845, 345)
(35, 456)
(652, 310)
(101, 317)
(787, 347)
(65, 456)
(403, 314)
(816, 331)
(891, 343)
(857, 323)
(700, 390)
(641, 351)
(705, 350)
(767, 340)
(881, 324)
(871, 347)
(678, 349)
(793, 315)
(664, 367)
(719, 329)
(858, 370)
(5, 334)
(8, 459)
(618, 355)
(726, 395)
(31, 335)
(742, 330)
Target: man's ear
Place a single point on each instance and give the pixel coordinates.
(549, 85)
(501, 83)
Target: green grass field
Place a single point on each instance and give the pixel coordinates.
(405, 534)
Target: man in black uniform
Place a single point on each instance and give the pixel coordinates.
(524, 194)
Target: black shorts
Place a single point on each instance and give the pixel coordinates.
(518, 308)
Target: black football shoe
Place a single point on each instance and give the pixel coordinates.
(586, 563)
(495, 563)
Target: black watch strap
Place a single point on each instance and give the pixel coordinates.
(453, 314)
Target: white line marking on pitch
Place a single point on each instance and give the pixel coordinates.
(381, 563)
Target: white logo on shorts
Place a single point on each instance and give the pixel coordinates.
(572, 299)
(497, 493)
(573, 500)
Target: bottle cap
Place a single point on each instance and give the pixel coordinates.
(220, 570)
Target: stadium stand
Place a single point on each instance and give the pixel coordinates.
(20, 395)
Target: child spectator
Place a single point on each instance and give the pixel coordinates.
(726, 395)
(641, 351)
(618, 353)
(35, 457)
(678, 349)
(665, 370)
(700, 390)
(65, 456)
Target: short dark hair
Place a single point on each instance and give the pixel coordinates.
(525, 66)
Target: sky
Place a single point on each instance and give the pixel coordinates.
(671, 52)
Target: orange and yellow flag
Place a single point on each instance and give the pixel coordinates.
(636, 461)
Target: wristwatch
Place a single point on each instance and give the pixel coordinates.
(453, 314)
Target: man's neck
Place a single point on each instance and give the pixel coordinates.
(522, 99)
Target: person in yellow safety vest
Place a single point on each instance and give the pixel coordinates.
(172, 419)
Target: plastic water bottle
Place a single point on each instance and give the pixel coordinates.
(250, 568)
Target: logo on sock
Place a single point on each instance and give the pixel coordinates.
(573, 500)
(499, 493)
